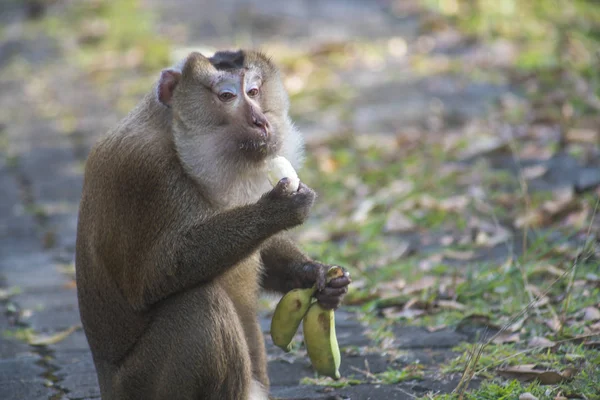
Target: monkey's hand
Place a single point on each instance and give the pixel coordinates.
(329, 294)
(288, 208)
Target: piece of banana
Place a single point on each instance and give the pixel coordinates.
(321, 341)
(287, 316)
(278, 168)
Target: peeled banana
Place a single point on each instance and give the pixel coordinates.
(287, 316)
(278, 168)
(321, 341)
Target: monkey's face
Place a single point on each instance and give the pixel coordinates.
(233, 105)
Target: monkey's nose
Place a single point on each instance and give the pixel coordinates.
(260, 121)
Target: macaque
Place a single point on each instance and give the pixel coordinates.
(179, 230)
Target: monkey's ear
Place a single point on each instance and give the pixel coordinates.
(169, 78)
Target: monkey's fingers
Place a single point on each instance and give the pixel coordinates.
(340, 282)
(331, 298)
(321, 280)
(281, 189)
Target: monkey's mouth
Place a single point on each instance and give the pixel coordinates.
(258, 148)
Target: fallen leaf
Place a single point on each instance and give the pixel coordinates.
(420, 285)
(534, 172)
(362, 211)
(395, 253)
(446, 240)
(450, 305)
(507, 337)
(591, 314)
(553, 324)
(564, 201)
(410, 313)
(548, 269)
(595, 327)
(436, 328)
(484, 239)
(396, 301)
(427, 202)
(527, 396)
(517, 325)
(44, 340)
(541, 342)
(583, 135)
(526, 373)
(459, 255)
(398, 222)
(454, 203)
(484, 146)
(532, 218)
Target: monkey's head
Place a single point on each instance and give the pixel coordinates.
(228, 109)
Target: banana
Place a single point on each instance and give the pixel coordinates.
(321, 341)
(287, 316)
(278, 168)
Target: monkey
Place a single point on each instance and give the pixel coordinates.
(179, 231)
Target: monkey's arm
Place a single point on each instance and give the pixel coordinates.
(287, 268)
(192, 249)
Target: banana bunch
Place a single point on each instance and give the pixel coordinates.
(318, 327)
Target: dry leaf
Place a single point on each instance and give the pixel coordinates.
(44, 340)
(450, 305)
(446, 240)
(591, 314)
(484, 146)
(583, 135)
(595, 327)
(362, 211)
(541, 342)
(564, 201)
(459, 255)
(454, 203)
(533, 218)
(398, 222)
(420, 285)
(553, 323)
(526, 373)
(517, 325)
(394, 313)
(527, 396)
(534, 172)
(548, 269)
(436, 328)
(484, 239)
(507, 337)
(427, 202)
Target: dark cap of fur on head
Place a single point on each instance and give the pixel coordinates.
(228, 60)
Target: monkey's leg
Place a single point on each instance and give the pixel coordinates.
(256, 345)
(194, 349)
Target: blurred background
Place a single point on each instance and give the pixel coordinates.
(454, 145)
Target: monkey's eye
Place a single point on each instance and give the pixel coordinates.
(226, 96)
(253, 92)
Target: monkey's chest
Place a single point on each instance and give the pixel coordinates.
(242, 281)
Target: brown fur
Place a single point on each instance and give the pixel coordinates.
(177, 226)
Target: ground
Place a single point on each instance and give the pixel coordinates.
(459, 191)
